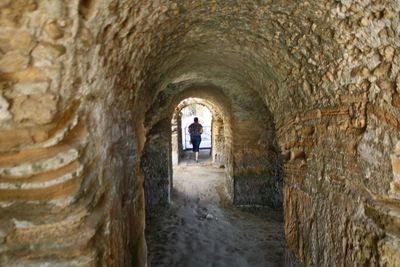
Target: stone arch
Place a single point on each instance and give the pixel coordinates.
(217, 149)
(158, 139)
(157, 156)
(253, 162)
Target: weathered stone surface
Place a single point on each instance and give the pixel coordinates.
(13, 61)
(45, 55)
(156, 165)
(388, 53)
(29, 88)
(4, 3)
(396, 165)
(319, 78)
(397, 149)
(396, 100)
(38, 108)
(54, 30)
(256, 189)
(391, 254)
(4, 113)
(19, 41)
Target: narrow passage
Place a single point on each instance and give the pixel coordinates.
(201, 228)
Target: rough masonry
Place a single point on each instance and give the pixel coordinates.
(309, 92)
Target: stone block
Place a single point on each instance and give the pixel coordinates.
(381, 70)
(363, 72)
(27, 75)
(30, 88)
(54, 30)
(297, 154)
(309, 130)
(4, 113)
(5, 41)
(19, 41)
(45, 55)
(286, 155)
(389, 252)
(13, 61)
(38, 108)
(23, 6)
(13, 139)
(396, 165)
(4, 3)
(257, 189)
(386, 85)
(397, 149)
(396, 100)
(298, 215)
(388, 53)
(22, 42)
(386, 216)
(395, 187)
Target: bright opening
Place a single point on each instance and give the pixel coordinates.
(205, 119)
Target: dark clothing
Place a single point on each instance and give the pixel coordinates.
(195, 130)
(196, 142)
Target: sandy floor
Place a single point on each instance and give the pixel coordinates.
(201, 228)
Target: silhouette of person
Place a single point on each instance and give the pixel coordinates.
(195, 131)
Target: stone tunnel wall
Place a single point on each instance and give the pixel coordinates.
(71, 189)
(77, 77)
(257, 175)
(176, 142)
(341, 202)
(156, 164)
(218, 142)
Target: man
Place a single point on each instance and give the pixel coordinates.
(195, 131)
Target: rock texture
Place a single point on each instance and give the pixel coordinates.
(308, 92)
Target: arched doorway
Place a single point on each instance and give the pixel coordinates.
(250, 154)
(164, 143)
(212, 145)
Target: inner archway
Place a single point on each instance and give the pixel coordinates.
(212, 144)
(204, 118)
(253, 165)
(163, 147)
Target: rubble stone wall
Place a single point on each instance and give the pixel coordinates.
(313, 83)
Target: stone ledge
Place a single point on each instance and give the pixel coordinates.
(386, 214)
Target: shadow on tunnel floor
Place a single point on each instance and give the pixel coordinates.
(199, 228)
(188, 157)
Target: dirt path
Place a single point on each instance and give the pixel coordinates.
(201, 229)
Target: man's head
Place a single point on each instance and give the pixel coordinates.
(196, 119)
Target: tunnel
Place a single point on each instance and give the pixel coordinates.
(307, 94)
